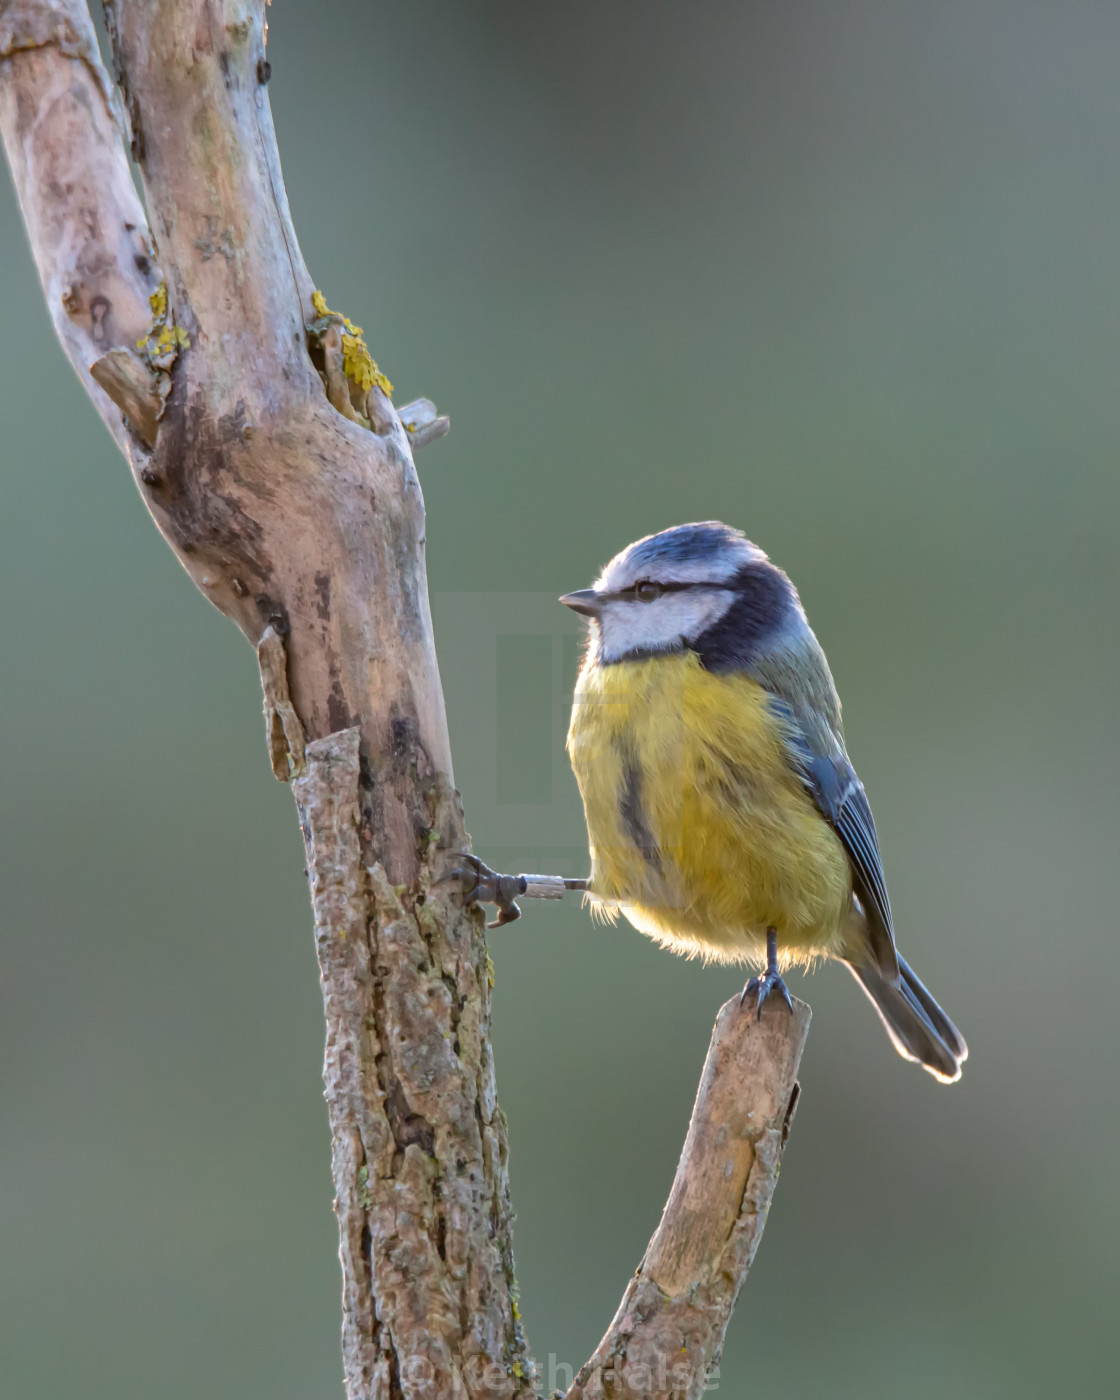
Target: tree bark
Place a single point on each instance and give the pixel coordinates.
(265, 444)
(668, 1332)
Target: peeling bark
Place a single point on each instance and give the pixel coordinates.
(418, 1142)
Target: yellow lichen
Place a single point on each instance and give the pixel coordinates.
(164, 339)
(361, 367)
(358, 364)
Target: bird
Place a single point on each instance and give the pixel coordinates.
(725, 819)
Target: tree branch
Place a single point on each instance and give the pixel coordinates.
(669, 1328)
(88, 233)
(281, 475)
(307, 529)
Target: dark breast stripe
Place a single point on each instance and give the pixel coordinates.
(633, 814)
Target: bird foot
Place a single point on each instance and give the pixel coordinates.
(762, 987)
(481, 885)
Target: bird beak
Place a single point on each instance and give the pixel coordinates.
(585, 601)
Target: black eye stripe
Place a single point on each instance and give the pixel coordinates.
(631, 595)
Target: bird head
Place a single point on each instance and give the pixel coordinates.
(671, 591)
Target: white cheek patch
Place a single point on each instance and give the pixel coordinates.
(628, 627)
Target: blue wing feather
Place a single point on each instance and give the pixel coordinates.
(840, 797)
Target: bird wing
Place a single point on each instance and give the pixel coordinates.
(840, 797)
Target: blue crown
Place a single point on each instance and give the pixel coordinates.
(686, 544)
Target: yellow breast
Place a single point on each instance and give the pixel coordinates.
(700, 831)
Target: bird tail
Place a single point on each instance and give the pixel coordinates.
(918, 1027)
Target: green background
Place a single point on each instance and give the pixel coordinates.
(845, 275)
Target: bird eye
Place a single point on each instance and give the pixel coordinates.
(647, 591)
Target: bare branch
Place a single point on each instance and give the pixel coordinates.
(307, 528)
(423, 423)
(669, 1328)
(87, 229)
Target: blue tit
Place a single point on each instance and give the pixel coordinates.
(724, 816)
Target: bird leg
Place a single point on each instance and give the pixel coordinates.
(481, 885)
(771, 979)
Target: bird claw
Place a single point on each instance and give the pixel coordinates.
(481, 885)
(770, 982)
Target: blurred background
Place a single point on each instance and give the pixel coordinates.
(846, 276)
